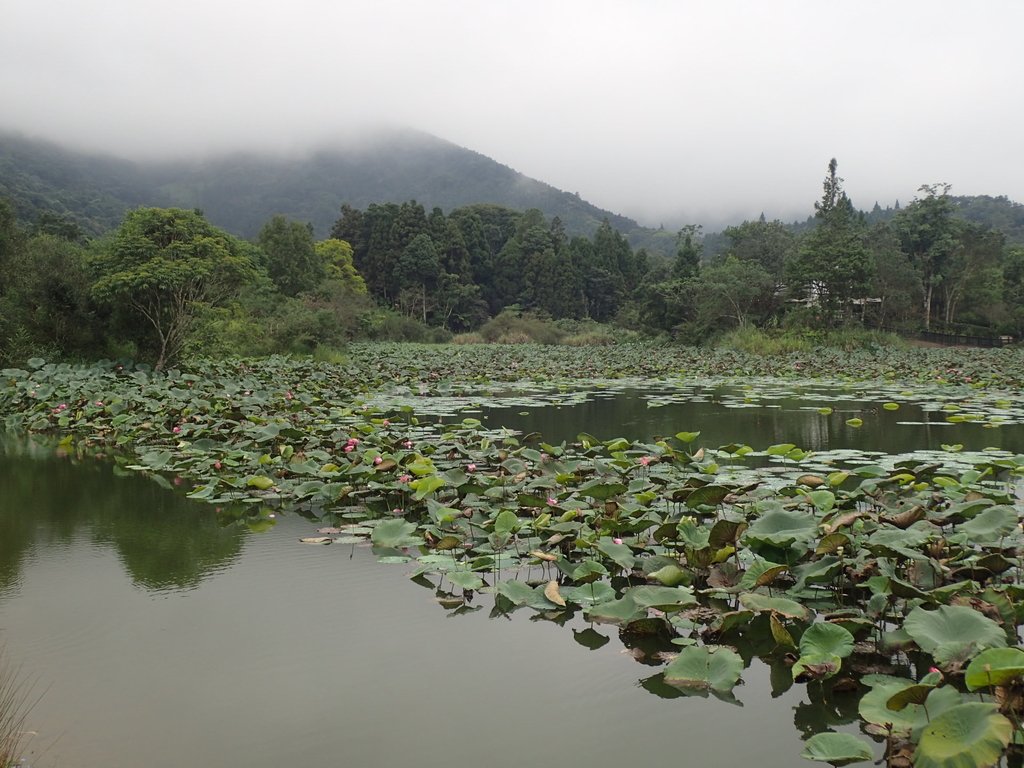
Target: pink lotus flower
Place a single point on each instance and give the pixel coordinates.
(404, 478)
(386, 422)
(616, 540)
(397, 511)
(288, 395)
(645, 460)
(99, 403)
(552, 501)
(407, 444)
(176, 430)
(216, 465)
(378, 460)
(349, 448)
(471, 467)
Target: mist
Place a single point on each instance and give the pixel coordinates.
(667, 112)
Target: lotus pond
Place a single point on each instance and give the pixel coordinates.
(595, 554)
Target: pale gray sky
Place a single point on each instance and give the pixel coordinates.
(665, 111)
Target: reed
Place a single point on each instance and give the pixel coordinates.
(16, 701)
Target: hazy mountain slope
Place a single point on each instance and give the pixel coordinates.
(240, 192)
(95, 191)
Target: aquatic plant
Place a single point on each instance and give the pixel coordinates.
(15, 704)
(829, 568)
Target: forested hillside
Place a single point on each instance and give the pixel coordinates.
(164, 282)
(240, 192)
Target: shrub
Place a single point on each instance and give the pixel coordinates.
(589, 339)
(514, 327)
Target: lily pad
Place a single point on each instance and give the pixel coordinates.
(949, 629)
(837, 749)
(995, 666)
(705, 667)
(971, 735)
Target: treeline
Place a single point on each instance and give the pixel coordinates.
(455, 271)
(167, 283)
(920, 267)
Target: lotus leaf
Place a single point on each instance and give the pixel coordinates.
(661, 597)
(971, 735)
(620, 554)
(705, 667)
(708, 495)
(873, 706)
(990, 525)
(781, 528)
(826, 639)
(669, 576)
(758, 603)
(465, 579)
(519, 593)
(995, 666)
(395, 534)
(621, 611)
(590, 594)
(949, 628)
(912, 694)
(837, 749)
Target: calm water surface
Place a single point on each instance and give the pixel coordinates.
(760, 424)
(157, 637)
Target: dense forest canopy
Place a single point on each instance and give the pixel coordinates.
(165, 282)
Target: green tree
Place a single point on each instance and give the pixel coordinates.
(166, 265)
(895, 283)
(833, 265)
(929, 234)
(766, 243)
(49, 298)
(291, 258)
(664, 302)
(689, 250)
(1013, 289)
(12, 240)
(419, 270)
(735, 289)
(336, 256)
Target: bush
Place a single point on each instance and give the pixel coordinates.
(589, 339)
(514, 327)
(802, 340)
(387, 325)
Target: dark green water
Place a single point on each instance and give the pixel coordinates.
(157, 636)
(766, 422)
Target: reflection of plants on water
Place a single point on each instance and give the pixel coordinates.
(849, 573)
(163, 541)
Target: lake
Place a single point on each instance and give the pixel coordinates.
(155, 635)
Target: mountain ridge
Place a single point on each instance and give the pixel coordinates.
(240, 191)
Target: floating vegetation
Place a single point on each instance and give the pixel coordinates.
(840, 569)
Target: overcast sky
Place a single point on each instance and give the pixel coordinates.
(665, 111)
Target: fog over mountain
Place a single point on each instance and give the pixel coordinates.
(667, 112)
